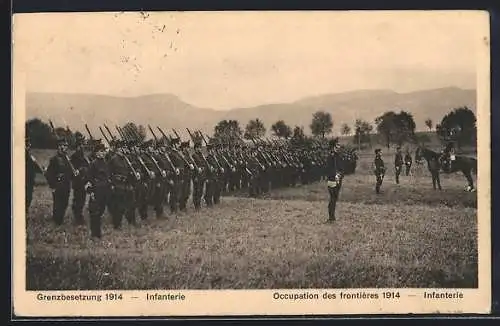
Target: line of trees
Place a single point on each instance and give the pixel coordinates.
(393, 128)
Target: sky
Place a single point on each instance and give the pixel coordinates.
(225, 60)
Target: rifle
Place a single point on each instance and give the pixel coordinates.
(176, 134)
(73, 170)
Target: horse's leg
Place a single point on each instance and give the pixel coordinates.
(433, 174)
(438, 179)
(468, 176)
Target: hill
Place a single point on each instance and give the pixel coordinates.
(169, 111)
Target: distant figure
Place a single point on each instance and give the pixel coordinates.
(447, 157)
(32, 168)
(398, 163)
(408, 162)
(334, 177)
(379, 169)
(59, 174)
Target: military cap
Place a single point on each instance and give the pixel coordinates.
(27, 141)
(378, 150)
(197, 144)
(398, 148)
(210, 146)
(99, 146)
(62, 141)
(175, 140)
(185, 144)
(79, 139)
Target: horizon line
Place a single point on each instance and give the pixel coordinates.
(246, 107)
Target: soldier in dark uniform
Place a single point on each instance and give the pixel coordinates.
(334, 177)
(379, 169)
(408, 162)
(98, 186)
(32, 168)
(398, 163)
(123, 178)
(59, 174)
(81, 163)
(211, 180)
(199, 176)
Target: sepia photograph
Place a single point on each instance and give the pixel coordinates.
(174, 151)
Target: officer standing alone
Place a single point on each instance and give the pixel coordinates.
(398, 163)
(379, 169)
(334, 178)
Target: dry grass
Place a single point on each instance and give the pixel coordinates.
(409, 236)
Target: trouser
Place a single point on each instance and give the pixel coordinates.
(79, 197)
(380, 178)
(30, 187)
(408, 166)
(209, 191)
(398, 169)
(184, 193)
(141, 200)
(97, 205)
(334, 195)
(198, 184)
(159, 197)
(60, 198)
(122, 203)
(217, 190)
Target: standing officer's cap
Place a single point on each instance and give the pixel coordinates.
(378, 150)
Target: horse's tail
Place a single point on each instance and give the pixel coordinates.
(474, 165)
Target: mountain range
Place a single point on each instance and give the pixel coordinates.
(169, 111)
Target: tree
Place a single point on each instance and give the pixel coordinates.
(321, 124)
(281, 129)
(134, 132)
(362, 131)
(40, 134)
(459, 125)
(346, 130)
(396, 127)
(428, 123)
(254, 129)
(227, 131)
(386, 126)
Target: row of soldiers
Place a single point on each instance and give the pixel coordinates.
(133, 175)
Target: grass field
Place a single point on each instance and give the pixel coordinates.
(408, 236)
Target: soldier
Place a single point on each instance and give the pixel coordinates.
(398, 163)
(185, 190)
(123, 178)
(408, 161)
(447, 156)
(81, 163)
(334, 177)
(32, 168)
(59, 174)
(379, 169)
(98, 187)
(199, 176)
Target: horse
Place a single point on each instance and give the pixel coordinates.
(462, 163)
